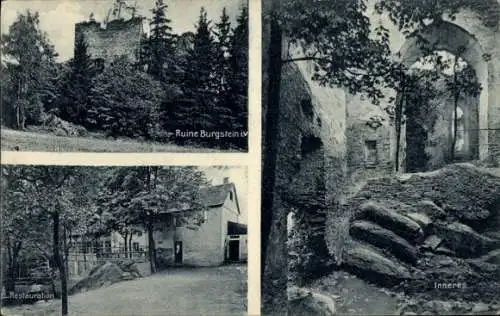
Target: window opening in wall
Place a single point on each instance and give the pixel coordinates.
(135, 246)
(460, 141)
(371, 152)
(99, 64)
(231, 196)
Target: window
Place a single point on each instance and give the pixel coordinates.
(205, 216)
(135, 247)
(231, 196)
(99, 64)
(107, 246)
(371, 152)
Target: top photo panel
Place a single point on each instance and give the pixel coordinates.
(124, 76)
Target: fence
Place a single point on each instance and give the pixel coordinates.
(81, 261)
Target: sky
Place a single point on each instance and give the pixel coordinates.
(237, 175)
(58, 17)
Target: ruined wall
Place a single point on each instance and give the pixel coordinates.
(361, 130)
(117, 38)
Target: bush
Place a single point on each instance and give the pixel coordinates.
(125, 102)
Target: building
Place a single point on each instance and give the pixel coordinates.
(220, 237)
(108, 41)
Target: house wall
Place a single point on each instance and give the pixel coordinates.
(201, 245)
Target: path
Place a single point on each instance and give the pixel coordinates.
(190, 292)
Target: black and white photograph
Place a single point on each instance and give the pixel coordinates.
(124, 75)
(124, 240)
(381, 157)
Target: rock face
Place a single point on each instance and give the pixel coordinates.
(105, 275)
(371, 264)
(435, 231)
(402, 225)
(384, 238)
(465, 241)
(61, 127)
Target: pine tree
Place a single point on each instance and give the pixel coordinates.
(199, 83)
(161, 43)
(239, 75)
(78, 90)
(223, 114)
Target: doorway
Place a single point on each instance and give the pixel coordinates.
(234, 250)
(178, 252)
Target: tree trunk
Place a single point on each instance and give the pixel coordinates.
(455, 125)
(456, 96)
(125, 240)
(13, 253)
(399, 121)
(130, 245)
(272, 296)
(66, 252)
(60, 264)
(151, 248)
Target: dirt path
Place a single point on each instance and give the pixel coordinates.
(354, 296)
(190, 292)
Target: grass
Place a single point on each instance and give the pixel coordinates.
(34, 141)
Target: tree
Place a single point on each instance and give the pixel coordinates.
(24, 228)
(238, 79)
(74, 96)
(31, 57)
(125, 102)
(222, 45)
(52, 191)
(137, 196)
(199, 86)
(161, 44)
(460, 84)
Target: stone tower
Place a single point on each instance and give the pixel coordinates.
(115, 39)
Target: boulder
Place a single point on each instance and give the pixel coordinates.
(368, 263)
(430, 209)
(432, 242)
(387, 218)
(421, 219)
(102, 275)
(384, 238)
(463, 240)
(308, 302)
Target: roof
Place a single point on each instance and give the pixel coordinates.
(216, 195)
(212, 196)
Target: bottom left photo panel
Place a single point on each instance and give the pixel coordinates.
(123, 240)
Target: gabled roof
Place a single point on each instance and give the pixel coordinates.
(216, 195)
(212, 196)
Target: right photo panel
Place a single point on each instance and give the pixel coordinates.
(380, 157)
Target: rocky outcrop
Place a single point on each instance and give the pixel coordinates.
(401, 225)
(432, 230)
(384, 238)
(303, 301)
(105, 275)
(464, 240)
(370, 263)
